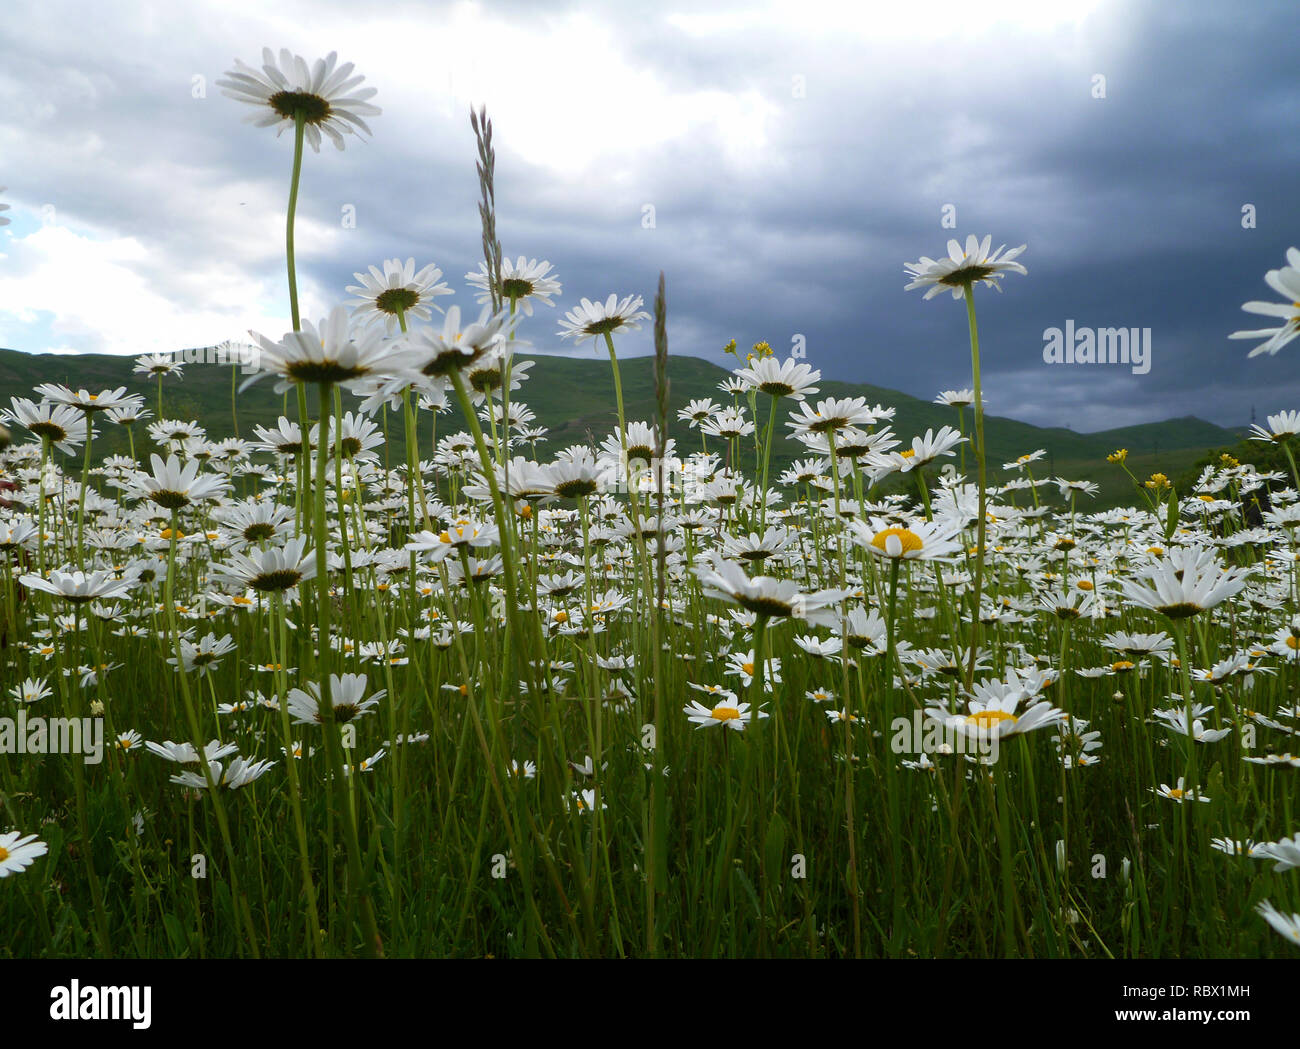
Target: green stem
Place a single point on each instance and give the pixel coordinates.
(298, 126)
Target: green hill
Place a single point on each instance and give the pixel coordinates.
(573, 398)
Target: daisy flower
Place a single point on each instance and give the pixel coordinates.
(17, 853)
(185, 754)
(1184, 583)
(741, 664)
(239, 773)
(915, 540)
(268, 571)
(329, 351)
(1286, 282)
(1284, 853)
(346, 694)
(31, 690)
(734, 715)
(788, 378)
(591, 319)
(1179, 793)
(398, 291)
(206, 655)
(157, 364)
(831, 414)
(1280, 427)
(521, 281)
(129, 740)
(174, 487)
(327, 96)
(1287, 924)
(994, 712)
(438, 354)
(84, 401)
(975, 265)
(60, 424)
(766, 596)
(79, 587)
(585, 801)
(924, 451)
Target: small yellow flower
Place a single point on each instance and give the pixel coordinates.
(1118, 456)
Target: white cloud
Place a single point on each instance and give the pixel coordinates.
(114, 295)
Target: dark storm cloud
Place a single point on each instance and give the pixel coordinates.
(1130, 205)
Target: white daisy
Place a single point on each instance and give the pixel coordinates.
(327, 95)
(399, 289)
(17, 853)
(591, 319)
(1286, 282)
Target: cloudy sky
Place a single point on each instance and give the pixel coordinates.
(779, 162)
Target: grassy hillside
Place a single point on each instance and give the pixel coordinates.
(573, 398)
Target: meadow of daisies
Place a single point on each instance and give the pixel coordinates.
(624, 699)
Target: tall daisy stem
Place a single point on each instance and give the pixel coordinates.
(298, 126)
(981, 526)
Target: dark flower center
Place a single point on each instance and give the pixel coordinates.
(765, 606)
(396, 300)
(314, 109)
(516, 288)
(485, 380)
(323, 371)
(447, 362)
(575, 489)
(268, 582)
(53, 431)
(171, 500)
(604, 326)
(966, 275)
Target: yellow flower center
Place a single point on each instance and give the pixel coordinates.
(1293, 642)
(1121, 666)
(990, 718)
(1176, 793)
(908, 454)
(748, 668)
(725, 714)
(4, 854)
(561, 616)
(909, 540)
(1084, 584)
